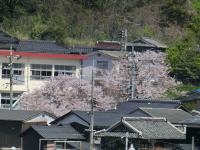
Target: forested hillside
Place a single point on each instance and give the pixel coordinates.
(90, 20)
(82, 22)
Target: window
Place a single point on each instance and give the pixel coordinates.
(41, 71)
(65, 70)
(102, 64)
(5, 99)
(18, 70)
(145, 146)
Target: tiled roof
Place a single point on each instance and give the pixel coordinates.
(132, 105)
(152, 128)
(80, 50)
(108, 45)
(41, 46)
(6, 41)
(172, 115)
(145, 128)
(148, 42)
(192, 121)
(191, 96)
(19, 115)
(57, 132)
(113, 54)
(101, 118)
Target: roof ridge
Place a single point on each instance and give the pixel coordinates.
(150, 100)
(160, 108)
(145, 118)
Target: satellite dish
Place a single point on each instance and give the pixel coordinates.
(131, 147)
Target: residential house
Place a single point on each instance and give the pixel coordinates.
(191, 100)
(172, 115)
(193, 129)
(145, 43)
(144, 133)
(133, 104)
(12, 122)
(36, 62)
(53, 137)
(102, 119)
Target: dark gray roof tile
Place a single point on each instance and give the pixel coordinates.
(58, 132)
(132, 105)
(40, 46)
(18, 115)
(172, 115)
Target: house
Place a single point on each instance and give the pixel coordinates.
(12, 122)
(145, 43)
(191, 100)
(142, 132)
(133, 104)
(102, 119)
(37, 61)
(99, 60)
(193, 129)
(53, 137)
(172, 115)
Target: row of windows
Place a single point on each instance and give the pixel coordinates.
(38, 71)
(5, 99)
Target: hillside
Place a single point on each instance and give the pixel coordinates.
(82, 22)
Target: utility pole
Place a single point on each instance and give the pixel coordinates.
(11, 76)
(126, 145)
(92, 113)
(133, 75)
(192, 142)
(124, 35)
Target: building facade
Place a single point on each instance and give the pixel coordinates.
(32, 70)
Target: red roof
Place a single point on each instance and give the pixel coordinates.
(44, 55)
(108, 45)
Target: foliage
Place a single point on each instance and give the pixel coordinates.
(179, 90)
(184, 60)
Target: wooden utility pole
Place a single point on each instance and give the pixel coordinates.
(92, 113)
(11, 76)
(126, 145)
(192, 142)
(123, 39)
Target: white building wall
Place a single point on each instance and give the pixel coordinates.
(30, 84)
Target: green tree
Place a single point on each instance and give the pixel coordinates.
(184, 61)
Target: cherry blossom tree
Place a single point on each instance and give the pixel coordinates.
(64, 93)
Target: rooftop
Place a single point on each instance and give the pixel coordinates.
(145, 128)
(40, 46)
(132, 105)
(148, 42)
(101, 118)
(194, 121)
(113, 54)
(172, 115)
(108, 45)
(56, 132)
(20, 115)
